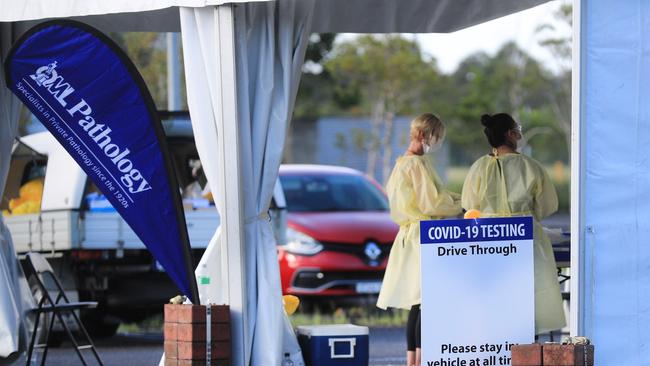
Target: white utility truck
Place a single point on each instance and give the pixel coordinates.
(93, 250)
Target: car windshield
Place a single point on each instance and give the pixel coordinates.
(322, 193)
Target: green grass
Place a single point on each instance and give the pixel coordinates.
(153, 323)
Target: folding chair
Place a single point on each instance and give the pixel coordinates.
(58, 306)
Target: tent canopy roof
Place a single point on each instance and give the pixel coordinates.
(339, 16)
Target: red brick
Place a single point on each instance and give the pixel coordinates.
(197, 332)
(170, 331)
(568, 355)
(221, 332)
(170, 313)
(196, 350)
(527, 355)
(220, 314)
(171, 349)
(190, 314)
(196, 313)
(171, 362)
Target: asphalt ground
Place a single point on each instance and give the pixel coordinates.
(387, 347)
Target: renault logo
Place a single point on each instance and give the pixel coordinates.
(372, 251)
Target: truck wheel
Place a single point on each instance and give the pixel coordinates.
(99, 326)
(104, 330)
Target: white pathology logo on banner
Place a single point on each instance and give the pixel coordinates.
(129, 180)
(477, 290)
(47, 76)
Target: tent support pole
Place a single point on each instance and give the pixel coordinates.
(232, 239)
(577, 304)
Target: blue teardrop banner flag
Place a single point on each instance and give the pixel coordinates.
(90, 96)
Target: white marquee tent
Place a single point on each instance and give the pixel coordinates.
(611, 178)
(242, 62)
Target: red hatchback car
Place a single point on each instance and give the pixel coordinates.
(339, 232)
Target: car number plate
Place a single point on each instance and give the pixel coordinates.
(368, 287)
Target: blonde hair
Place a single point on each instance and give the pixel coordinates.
(429, 125)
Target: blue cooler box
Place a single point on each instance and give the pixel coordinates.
(337, 345)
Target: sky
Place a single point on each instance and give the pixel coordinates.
(450, 49)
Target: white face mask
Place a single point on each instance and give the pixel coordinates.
(426, 148)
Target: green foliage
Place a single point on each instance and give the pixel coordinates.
(560, 45)
(319, 46)
(148, 51)
(511, 82)
(317, 97)
(318, 94)
(381, 69)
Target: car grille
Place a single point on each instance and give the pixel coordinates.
(318, 280)
(359, 251)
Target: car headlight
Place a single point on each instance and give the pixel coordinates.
(302, 244)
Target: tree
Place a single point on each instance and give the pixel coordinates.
(389, 75)
(147, 51)
(511, 81)
(559, 42)
(317, 95)
(320, 44)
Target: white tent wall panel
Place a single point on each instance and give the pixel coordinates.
(616, 166)
(240, 113)
(209, 50)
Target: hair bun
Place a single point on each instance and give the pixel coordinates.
(487, 120)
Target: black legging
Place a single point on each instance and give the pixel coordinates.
(413, 329)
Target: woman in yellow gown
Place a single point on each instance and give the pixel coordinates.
(415, 193)
(506, 183)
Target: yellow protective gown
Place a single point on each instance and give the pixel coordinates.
(516, 185)
(415, 193)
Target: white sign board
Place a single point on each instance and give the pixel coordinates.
(478, 296)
